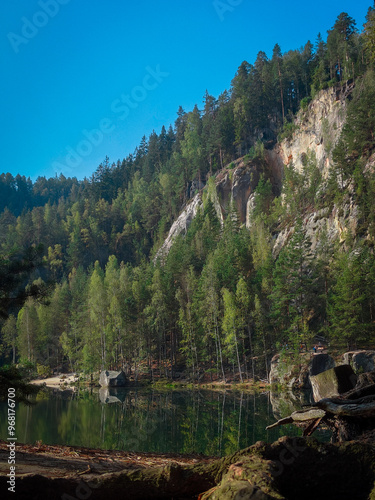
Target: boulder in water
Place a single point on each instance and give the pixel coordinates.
(113, 379)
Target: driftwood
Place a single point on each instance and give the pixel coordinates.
(348, 415)
(300, 417)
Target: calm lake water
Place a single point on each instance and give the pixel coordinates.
(179, 421)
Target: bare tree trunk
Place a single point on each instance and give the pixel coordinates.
(219, 346)
(238, 357)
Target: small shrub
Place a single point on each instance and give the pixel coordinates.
(288, 131)
(43, 371)
(305, 103)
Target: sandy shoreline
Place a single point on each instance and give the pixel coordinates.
(56, 381)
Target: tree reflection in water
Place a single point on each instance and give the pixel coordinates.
(180, 421)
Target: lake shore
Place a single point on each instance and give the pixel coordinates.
(56, 381)
(71, 380)
(280, 470)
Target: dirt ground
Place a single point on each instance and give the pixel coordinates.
(71, 461)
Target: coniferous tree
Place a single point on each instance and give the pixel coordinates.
(293, 287)
(346, 301)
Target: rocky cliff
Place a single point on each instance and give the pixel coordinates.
(234, 184)
(316, 131)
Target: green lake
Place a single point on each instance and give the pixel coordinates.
(179, 421)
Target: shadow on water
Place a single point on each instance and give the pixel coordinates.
(179, 421)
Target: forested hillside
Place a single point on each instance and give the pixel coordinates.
(224, 297)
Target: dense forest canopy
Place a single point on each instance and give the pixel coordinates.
(221, 298)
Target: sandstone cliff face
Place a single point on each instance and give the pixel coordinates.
(180, 226)
(234, 184)
(318, 129)
(333, 224)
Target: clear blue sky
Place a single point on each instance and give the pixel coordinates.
(71, 67)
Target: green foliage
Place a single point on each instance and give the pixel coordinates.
(287, 132)
(13, 378)
(256, 152)
(292, 294)
(348, 309)
(305, 103)
(221, 297)
(263, 198)
(43, 371)
(369, 35)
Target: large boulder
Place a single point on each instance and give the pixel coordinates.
(112, 379)
(318, 363)
(290, 374)
(280, 371)
(363, 361)
(347, 357)
(333, 382)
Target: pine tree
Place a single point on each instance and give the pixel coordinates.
(293, 280)
(244, 305)
(28, 328)
(96, 338)
(9, 338)
(369, 34)
(210, 312)
(230, 326)
(347, 300)
(189, 322)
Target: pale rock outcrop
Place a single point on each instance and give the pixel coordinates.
(110, 378)
(234, 184)
(180, 226)
(335, 225)
(319, 363)
(250, 205)
(318, 129)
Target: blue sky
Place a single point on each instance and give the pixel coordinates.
(83, 79)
